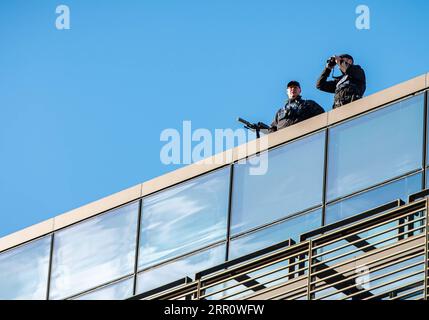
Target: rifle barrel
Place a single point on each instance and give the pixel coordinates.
(247, 123)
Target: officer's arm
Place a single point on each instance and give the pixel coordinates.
(323, 84)
(316, 108)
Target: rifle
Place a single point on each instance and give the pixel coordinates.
(255, 127)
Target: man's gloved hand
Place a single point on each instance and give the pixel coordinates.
(331, 62)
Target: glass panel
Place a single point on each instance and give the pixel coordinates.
(94, 252)
(293, 183)
(117, 291)
(400, 189)
(379, 236)
(179, 269)
(380, 279)
(184, 218)
(358, 244)
(24, 271)
(381, 284)
(248, 284)
(291, 228)
(376, 147)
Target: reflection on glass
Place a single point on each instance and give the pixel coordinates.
(376, 147)
(94, 252)
(290, 229)
(357, 244)
(179, 269)
(330, 293)
(24, 271)
(117, 291)
(293, 183)
(400, 189)
(382, 280)
(184, 218)
(248, 285)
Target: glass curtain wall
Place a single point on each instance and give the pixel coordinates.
(178, 224)
(376, 147)
(94, 252)
(293, 183)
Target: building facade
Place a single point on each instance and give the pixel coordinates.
(322, 173)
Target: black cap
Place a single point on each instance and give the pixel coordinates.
(347, 56)
(294, 84)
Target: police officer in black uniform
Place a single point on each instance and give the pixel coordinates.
(348, 87)
(296, 109)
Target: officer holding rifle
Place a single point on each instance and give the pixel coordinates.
(296, 109)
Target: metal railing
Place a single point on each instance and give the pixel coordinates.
(381, 256)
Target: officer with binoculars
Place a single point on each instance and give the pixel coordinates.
(348, 87)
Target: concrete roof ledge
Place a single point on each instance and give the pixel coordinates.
(378, 99)
(298, 130)
(97, 207)
(27, 234)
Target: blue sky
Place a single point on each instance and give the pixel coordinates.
(82, 109)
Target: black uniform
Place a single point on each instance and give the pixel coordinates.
(347, 88)
(295, 111)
